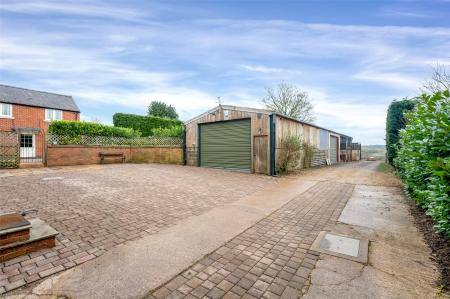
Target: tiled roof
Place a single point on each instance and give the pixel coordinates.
(22, 96)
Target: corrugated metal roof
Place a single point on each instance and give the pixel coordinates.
(28, 97)
(258, 110)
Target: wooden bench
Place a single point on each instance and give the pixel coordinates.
(111, 155)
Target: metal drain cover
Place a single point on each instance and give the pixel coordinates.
(53, 178)
(342, 246)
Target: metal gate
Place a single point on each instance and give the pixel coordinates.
(9, 150)
(31, 145)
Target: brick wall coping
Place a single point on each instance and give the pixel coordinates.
(111, 146)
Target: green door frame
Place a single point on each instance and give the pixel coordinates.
(272, 131)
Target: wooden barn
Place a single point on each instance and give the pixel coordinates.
(249, 140)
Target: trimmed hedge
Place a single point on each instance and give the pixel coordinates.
(423, 159)
(71, 128)
(394, 123)
(145, 124)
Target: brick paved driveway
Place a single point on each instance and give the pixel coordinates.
(271, 259)
(97, 208)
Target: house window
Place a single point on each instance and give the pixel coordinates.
(52, 114)
(5, 110)
(26, 140)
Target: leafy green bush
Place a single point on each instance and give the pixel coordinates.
(423, 159)
(307, 154)
(145, 124)
(161, 109)
(290, 154)
(175, 131)
(394, 123)
(70, 128)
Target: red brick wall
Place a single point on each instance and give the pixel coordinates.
(31, 117)
(65, 155)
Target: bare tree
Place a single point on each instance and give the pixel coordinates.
(440, 80)
(291, 101)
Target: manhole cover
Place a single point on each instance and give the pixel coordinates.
(342, 246)
(53, 178)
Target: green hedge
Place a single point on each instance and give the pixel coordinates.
(175, 131)
(145, 124)
(394, 123)
(423, 159)
(72, 128)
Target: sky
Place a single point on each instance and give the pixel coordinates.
(352, 57)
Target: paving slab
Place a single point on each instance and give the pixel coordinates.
(132, 269)
(399, 264)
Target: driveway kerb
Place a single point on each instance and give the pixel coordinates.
(132, 269)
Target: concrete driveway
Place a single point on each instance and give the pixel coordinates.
(96, 208)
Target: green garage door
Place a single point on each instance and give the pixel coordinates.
(226, 145)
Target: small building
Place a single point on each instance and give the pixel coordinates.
(28, 113)
(249, 140)
(346, 148)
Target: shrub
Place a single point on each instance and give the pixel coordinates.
(161, 109)
(145, 124)
(175, 131)
(289, 158)
(308, 154)
(423, 159)
(394, 123)
(72, 128)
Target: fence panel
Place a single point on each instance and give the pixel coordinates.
(9, 150)
(155, 141)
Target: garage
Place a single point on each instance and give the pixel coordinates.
(333, 149)
(251, 140)
(226, 144)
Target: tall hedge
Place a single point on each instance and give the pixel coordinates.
(72, 128)
(423, 159)
(144, 124)
(394, 123)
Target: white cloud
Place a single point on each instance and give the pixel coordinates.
(261, 69)
(83, 8)
(188, 63)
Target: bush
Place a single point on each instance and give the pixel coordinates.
(394, 123)
(308, 154)
(161, 109)
(72, 128)
(423, 159)
(145, 124)
(289, 158)
(175, 131)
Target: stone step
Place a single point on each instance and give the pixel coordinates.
(13, 228)
(41, 236)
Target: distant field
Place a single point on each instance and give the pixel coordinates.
(377, 151)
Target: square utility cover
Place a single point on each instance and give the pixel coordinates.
(341, 246)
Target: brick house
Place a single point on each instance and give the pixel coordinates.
(29, 112)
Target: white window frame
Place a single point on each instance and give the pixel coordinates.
(10, 115)
(53, 113)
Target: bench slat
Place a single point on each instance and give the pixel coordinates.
(106, 155)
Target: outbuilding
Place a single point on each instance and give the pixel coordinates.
(249, 139)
